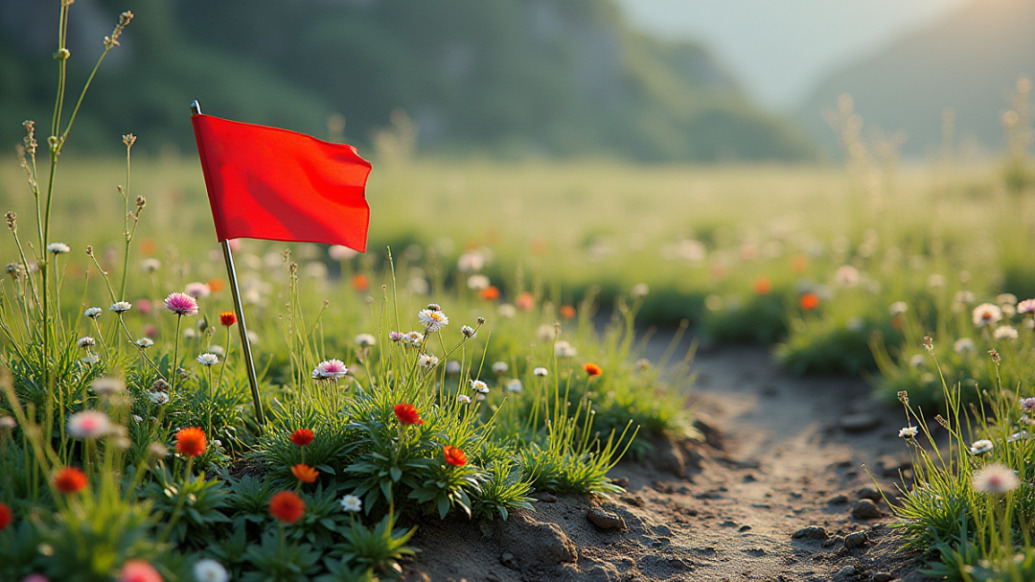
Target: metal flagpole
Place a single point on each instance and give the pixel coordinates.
(235, 291)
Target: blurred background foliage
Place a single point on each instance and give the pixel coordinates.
(505, 78)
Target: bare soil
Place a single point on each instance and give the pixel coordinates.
(767, 493)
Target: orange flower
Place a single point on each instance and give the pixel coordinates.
(305, 473)
(69, 480)
(216, 285)
(525, 301)
(407, 414)
(6, 517)
(567, 312)
(360, 282)
(454, 456)
(809, 301)
(147, 246)
(139, 571)
(490, 293)
(191, 441)
(799, 263)
(227, 318)
(287, 506)
(592, 369)
(302, 437)
(763, 286)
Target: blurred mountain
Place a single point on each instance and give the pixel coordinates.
(520, 77)
(968, 62)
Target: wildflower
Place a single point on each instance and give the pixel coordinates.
(197, 290)
(762, 286)
(157, 450)
(85, 342)
(809, 301)
(396, 336)
(1018, 436)
(507, 311)
(917, 360)
(191, 441)
(479, 387)
(90, 359)
(470, 261)
(8, 422)
(525, 301)
(463, 398)
(1026, 306)
(567, 312)
(454, 456)
(139, 571)
(432, 319)
(6, 517)
(181, 304)
(898, 308)
(150, 265)
(92, 312)
(302, 437)
(995, 479)
(69, 480)
(986, 314)
(490, 293)
(208, 570)
(365, 340)
(429, 361)
(407, 414)
(1005, 332)
(908, 432)
(1028, 404)
(847, 276)
(158, 397)
(415, 338)
(190, 333)
(57, 248)
(208, 360)
(351, 504)
(540, 371)
(120, 306)
(360, 282)
(478, 282)
(88, 424)
(514, 385)
(216, 350)
(963, 345)
(329, 369)
(563, 349)
(981, 447)
(500, 367)
(592, 369)
(468, 331)
(545, 332)
(107, 386)
(144, 343)
(227, 318)
(287, 506)
(341, 253)
(305, 473)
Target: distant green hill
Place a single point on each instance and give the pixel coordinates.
(970, 62)
(522, 77)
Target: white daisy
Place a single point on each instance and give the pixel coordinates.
(208, 359)
(207, 570)
(120, 306)
(432, 319)
(351, 504)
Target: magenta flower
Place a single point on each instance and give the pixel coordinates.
(328, 369)
(181, 304)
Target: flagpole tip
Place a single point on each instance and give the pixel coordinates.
(195, 107)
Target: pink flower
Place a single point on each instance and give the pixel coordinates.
(329, 369)
(1026, 306)
(181, 304)
(139, 571)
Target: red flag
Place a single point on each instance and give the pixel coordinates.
(276, 184)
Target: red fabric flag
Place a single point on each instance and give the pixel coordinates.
(276, 184)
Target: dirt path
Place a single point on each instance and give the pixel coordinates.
(768, 495)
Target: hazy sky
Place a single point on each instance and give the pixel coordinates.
(779, 49)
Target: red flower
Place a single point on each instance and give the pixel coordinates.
(567, 312)
(525, 301)
(763, 286)
(490, 293)
(454, 456)
(360, 282)
(6, 517)
(407, 414)
(139, 571)
(287, 507)
(302, 437)
(592, 369)
(69, 480)
(191, 441)
(305, 473)
(809, 301)
(227, 318)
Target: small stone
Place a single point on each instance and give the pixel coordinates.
(507, 559)
(856, 540)
(633, 500)
(846, 572)
(839, 499)
(869, 493)
(744, 528)
(605, 520)
(622, 482)
(859, 422)
(865, 509)
(812, 532)
(547, 497)
(881, 577)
